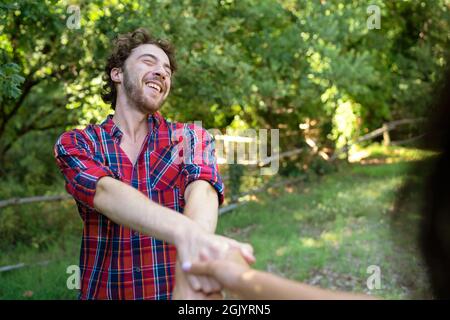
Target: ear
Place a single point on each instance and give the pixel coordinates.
(116, 75)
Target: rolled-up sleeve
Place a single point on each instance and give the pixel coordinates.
(80, 170)
(200, 161)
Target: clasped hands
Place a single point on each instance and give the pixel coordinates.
(198, 245)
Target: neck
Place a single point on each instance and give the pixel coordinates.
(131, 121)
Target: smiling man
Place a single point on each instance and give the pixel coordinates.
(145, 194)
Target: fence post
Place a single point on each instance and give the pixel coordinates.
(347, 150)
(386, 137)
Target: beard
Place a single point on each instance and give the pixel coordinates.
(134, 91)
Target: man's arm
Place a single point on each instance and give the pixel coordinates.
(202, 189)
(202, 205)
(127, 206)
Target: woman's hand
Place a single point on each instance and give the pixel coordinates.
(183, 291)
(228, 271)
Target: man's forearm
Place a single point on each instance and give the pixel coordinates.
(202, 205)
(127, 206)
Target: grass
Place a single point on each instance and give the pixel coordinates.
(45, 275)
(326, 231)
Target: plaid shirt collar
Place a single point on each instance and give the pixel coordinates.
(153, 121)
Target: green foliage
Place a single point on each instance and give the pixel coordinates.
(269, 64)
(10, 81)
(290, 168)
(37, 225)
(321, 166)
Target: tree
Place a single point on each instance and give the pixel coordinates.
(271, 64)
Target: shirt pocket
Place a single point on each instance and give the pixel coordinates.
(169, 198)
(164, 169)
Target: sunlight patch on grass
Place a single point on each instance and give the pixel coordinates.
(310, 243)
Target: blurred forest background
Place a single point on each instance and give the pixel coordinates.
(312, 69)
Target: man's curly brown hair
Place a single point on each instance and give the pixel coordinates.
(123, 45)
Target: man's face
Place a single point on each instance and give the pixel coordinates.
(147, 77)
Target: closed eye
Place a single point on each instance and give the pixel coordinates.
(149, 62)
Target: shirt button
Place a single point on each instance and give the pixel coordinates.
(180, 153)
(137, 269)
(135, 233)
(180, 139)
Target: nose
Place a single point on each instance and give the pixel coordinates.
(161, 74)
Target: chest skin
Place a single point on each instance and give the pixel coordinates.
(132, 149)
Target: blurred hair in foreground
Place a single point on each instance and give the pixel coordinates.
(432, 228)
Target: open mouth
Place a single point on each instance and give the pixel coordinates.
(153, 86)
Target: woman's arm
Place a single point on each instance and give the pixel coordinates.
(246, 283)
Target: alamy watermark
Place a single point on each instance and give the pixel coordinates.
(374, 280)
(74, 20)
(195, 145)
(374, 20)
(73, 281)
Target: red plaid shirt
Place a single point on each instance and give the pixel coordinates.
(115, 261)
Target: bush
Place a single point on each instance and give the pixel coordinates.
(321, 166)
(38, 224)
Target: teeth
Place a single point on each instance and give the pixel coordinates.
(154, 86)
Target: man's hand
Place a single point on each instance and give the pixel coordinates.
(202, 207)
